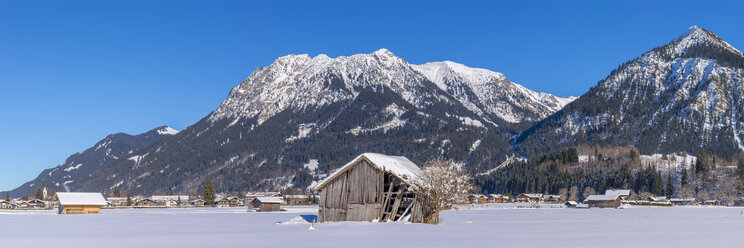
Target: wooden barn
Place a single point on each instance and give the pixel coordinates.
(80, 203)
(267, 204)
(603, 201)
(371, 187)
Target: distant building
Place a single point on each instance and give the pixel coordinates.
(571, 204)
(683, 201)
(498, 198)
(712, 203)
(7, 204)
(297, 199)
(116, 202)
(526, 197)
(553, 198)
(657, 199)
(197, 203)
(477, 198)
(737, 202)
(623, 193)
(229, 201)
(267, 204)
(80, 203)
(603, 201)
(147, 202)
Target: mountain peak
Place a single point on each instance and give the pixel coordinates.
(696, 35)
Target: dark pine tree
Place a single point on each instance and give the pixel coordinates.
(209, 194)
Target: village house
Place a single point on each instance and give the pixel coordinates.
(712, 203)
(297, 199)
(116, 202)
(31, 204)
(683, 201)
(603, 201)
(371, 187)
(739, 202)
(527, 197)
(266, 204)
(477, 198)
(80, 203)
(498, 198)
(147, 203)
(170, 200)
(197, 203)
(623, 193)
(7, 204)
(229, 201)
(553, 199)
(571, 204)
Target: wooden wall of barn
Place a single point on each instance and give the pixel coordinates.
(354, 195)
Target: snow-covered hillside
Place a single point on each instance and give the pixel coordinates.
(300, 82)
(679, 97)
(491, 92)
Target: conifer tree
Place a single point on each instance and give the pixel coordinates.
(669, 187)
(209, 193)
(7, 196)
(39, 194)
(129, 200)
(684, 179)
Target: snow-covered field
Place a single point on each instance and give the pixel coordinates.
(489, 226)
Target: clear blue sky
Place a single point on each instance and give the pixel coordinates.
(72, 72)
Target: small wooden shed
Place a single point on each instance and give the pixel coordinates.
(80, 203)
(267, 204)
(603, 201)
(371, 187)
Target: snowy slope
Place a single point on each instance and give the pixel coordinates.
(679, 97)
(491, 92)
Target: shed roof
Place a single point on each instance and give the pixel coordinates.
(269, 199)
(602, 198)
(399, 166)
(531, 195)
(617, 192)
(80, 198)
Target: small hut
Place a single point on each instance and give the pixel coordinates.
(371, 187)
(267, 204)
(603, 201)
(80, 203)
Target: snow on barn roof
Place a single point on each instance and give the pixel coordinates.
(602, 198)
(532, 195)
(617, 192)
(79, 198)
(269, 199)
(399, 166)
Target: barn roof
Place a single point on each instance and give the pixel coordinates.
(79, 198)
(268, 199)
(399, 166)
(602, 198)
(622, 192)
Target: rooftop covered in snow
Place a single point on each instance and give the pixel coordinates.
(80, 198)
(398, 166)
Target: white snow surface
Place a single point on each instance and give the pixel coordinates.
(397, 165)
(477, 226)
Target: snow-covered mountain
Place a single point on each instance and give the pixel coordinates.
(300, 82)
(491, 93)
(685, 96)
(301, 108)
(80, 165)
